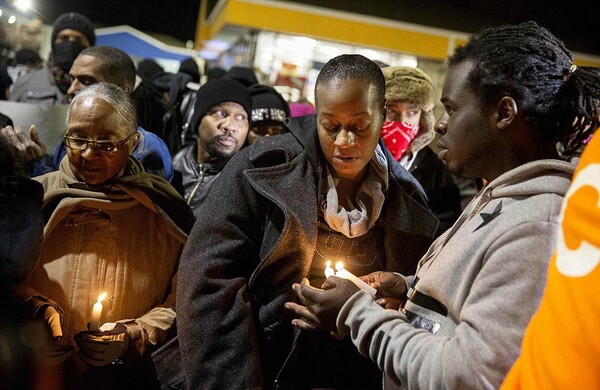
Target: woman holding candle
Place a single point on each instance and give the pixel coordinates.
(110, 227)
(328, 189)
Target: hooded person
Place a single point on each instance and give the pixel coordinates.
(71, 33)
(97, 209)
(408, 130)
(269, 112)
(222, 119)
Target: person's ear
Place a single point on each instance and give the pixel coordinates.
(507, 112)
(127, 88)
(134, 141)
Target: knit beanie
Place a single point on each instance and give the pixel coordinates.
(218, 91)
(189, 66)
(149, 69)
(242, 74)
(74, 21)
(412, 85)
(268, 104)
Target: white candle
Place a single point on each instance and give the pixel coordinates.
(96, 313)
(328, 270)
(344, 273)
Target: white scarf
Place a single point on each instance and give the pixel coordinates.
(369, 199)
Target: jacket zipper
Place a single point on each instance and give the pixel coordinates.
(197, 185)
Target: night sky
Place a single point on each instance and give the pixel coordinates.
(573, 21)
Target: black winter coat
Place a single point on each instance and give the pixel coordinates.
(256, 235)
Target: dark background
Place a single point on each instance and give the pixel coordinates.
(574, 21)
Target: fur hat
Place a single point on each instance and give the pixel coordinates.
(74, 21)
(218, 91)
(409, 84)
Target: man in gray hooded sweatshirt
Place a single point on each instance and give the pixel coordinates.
(511, 95)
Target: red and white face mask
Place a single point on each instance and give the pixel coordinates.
(398, 136)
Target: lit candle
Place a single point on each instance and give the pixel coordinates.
(96, 313)
(344, 273)
(328, 270)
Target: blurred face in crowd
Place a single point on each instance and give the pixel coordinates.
(72, 36)
(409, 113)
(93, 119)
(222, 131)
(263, 129)
(349, 119)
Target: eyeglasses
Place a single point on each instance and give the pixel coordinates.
(80, 144)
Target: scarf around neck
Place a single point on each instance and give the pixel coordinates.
(369, 200)
(160, 191)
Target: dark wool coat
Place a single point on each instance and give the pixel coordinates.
(256, 235)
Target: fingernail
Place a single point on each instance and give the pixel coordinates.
(287, 305)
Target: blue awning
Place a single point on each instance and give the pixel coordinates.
(136, 43)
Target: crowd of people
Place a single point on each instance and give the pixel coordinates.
(196, 230)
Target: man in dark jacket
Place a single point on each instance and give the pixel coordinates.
(326, 189)
(222, 119)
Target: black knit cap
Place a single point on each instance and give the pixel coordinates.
(242, 74)
(77, 22)
(189, 66)
(149, 69)
(268, 104)
(218, 91)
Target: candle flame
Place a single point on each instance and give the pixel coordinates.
(339, 265)
(328, 263)
(102, 296)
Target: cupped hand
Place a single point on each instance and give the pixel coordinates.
(102, 348)
(325, 303)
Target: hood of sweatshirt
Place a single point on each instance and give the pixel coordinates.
(536, 177)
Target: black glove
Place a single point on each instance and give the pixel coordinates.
(102, 348)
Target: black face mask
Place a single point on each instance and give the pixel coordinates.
(64, 54)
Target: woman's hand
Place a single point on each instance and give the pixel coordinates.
(320, 307)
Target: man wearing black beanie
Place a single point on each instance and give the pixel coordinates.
(72, 32)
(222, 119)
(269, 112)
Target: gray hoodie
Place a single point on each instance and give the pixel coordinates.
(474, 291)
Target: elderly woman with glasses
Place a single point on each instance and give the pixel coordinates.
(110, 228)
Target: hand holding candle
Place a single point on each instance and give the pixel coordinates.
(344, 273)
(96, 313)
